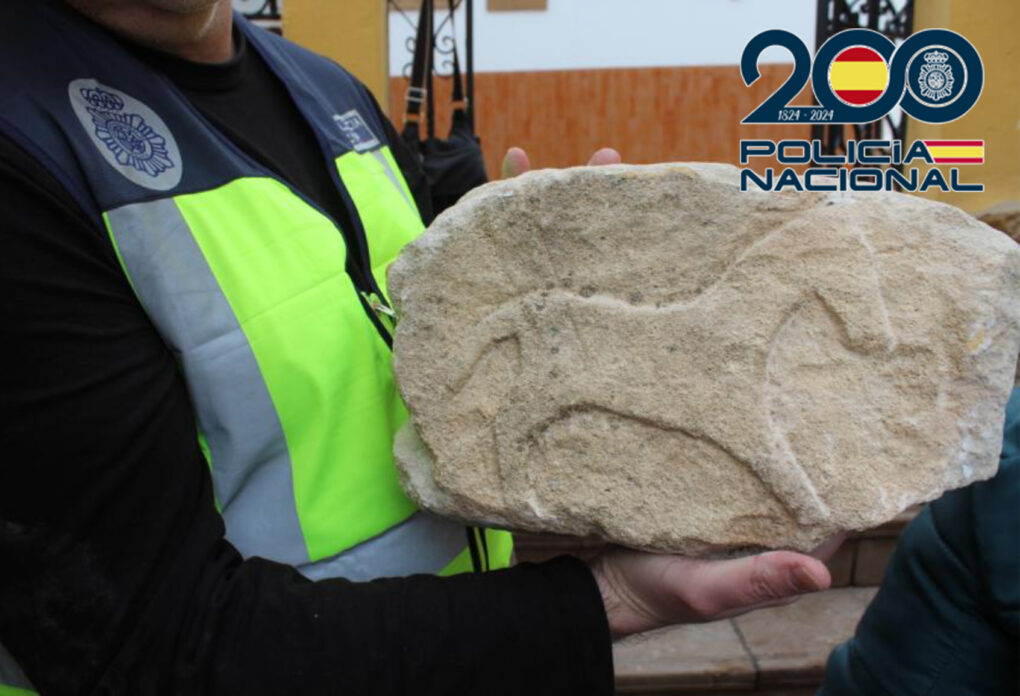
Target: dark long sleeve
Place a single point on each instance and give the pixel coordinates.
(115, 576)
(946, 620)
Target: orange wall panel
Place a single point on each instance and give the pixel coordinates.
(649, 114)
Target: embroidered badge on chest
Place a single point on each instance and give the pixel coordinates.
(129, 135)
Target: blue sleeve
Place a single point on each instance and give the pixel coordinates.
(945, 620)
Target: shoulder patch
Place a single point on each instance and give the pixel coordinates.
(129, 135)
(356, 130)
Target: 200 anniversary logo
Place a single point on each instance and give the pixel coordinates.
(859, 76)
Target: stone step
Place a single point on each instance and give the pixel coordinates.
(775, 652)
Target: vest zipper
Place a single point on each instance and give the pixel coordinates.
(384, 313)
(369, 291)
(361, 278)
(361, 267)
(364, 284)
(379, 312)
(382, 316)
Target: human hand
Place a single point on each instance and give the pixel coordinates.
(643, 591)
(516, 161)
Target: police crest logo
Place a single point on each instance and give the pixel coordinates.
(132, 141)
(936, 78)
(358, 134)
(131, 137)
(859, 76)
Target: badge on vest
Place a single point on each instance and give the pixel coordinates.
(129, 135)
(357, 132)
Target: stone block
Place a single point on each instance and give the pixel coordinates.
(650, 356)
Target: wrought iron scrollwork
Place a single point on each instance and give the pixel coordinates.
(265, 13)
(444, 44)
(444, 39)
(894, 19)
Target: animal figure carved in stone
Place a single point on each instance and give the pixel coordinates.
(554, 328)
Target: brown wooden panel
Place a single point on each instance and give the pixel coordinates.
(493, 5)
(649, 114)
(509, 5)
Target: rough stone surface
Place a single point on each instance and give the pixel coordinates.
(650, 356)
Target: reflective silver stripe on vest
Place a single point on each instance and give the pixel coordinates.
(11, 674)
(392, 175)
(251, 466)
(424, 543)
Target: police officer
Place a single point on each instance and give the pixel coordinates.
(198, 493)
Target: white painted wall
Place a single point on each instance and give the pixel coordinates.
(574, 34)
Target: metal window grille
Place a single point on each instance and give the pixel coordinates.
(894, 19)
(444, 42)
(265, 13)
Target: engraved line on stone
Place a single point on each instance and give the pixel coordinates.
(508, 317)
(877, 280)
(561, 412)
(585, 358)
(792, 471)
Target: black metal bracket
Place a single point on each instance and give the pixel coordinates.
(444, 42)
(265, 13)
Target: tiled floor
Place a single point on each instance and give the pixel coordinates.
(709, 656)
(773, 651)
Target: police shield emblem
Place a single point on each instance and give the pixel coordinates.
(936, 76)
(129, 135)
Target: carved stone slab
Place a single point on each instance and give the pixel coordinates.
(651, 356)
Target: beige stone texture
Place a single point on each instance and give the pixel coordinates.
(648, 355)
(1005, 217)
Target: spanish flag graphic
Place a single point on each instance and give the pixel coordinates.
(956, 151)
(858, 75)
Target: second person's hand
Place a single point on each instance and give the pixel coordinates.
(642, 591)
(516, 161)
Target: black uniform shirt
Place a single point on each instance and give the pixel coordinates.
(114, 573)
